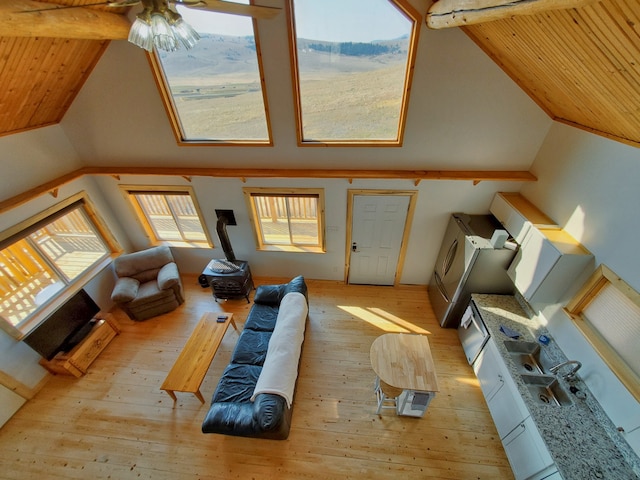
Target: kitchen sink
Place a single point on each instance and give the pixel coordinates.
(545, 389)
(528, 356)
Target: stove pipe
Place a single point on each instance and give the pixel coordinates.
(221, 228)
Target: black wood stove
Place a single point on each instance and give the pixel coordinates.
(228, 278)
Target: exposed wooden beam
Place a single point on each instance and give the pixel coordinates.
(27, 18)
(479, 175)
(243, 173)
(457, 13)
(24, 197)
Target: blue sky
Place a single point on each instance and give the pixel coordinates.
(349, 20)
(330, 20)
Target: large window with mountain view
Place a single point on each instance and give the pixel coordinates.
(353, 64)
(214, 91)
(47, 257)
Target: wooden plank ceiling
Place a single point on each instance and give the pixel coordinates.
(580, 65)
(41, 76)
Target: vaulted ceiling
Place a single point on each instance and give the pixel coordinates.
(580, 65)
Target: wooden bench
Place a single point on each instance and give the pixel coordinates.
(194, 360)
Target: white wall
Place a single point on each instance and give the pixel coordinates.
(464, 113)
(32, 158)
(590, 186)
(436, 201)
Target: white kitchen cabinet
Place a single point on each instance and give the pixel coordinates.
(523, 444)
(527, 453)
(503, 399)
(517, 215)
(546, 263)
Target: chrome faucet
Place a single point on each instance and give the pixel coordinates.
(571, 376)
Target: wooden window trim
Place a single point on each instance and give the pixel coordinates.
(411, 13)
(249, 192)
(111, 243)
(174, 118)
(602, 277)
(128, 191)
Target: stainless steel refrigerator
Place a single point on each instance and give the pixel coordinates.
(468, 263)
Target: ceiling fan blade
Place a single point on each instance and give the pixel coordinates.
(256, 11)
(106, 3)
(123, 3)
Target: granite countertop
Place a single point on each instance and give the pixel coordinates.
(581, 439)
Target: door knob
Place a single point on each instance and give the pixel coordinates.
(354, 247)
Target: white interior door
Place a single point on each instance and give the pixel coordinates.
(377, 231)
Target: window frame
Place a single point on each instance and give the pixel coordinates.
(411, 13)
(72, 286)
(129, 192)
(174, 117)
(602, 277)
(250, 192)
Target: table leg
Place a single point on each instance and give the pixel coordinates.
(199, 396)
(172, 395)
(233, 323)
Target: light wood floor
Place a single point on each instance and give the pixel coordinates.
(116, 423)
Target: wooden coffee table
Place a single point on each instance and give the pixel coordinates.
(194, 360)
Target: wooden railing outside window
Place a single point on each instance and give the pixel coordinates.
(42, 259)
(290, 219)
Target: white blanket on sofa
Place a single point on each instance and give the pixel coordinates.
(280, 368)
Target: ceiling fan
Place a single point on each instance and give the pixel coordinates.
(158, 24)
(256, 11)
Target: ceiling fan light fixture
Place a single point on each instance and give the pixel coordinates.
(185, 32)
(163, 36)
(140, 33)
(161, 27)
